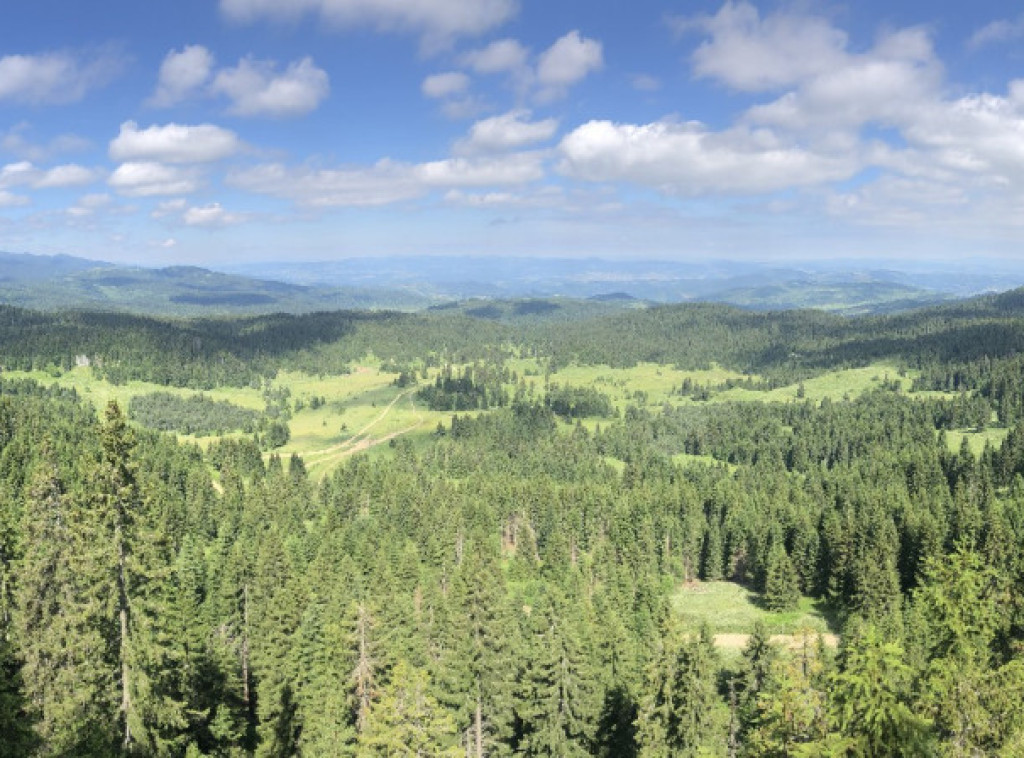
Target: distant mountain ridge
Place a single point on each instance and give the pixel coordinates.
(61, 282)
(52, 282)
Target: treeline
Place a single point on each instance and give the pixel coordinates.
(948, 343)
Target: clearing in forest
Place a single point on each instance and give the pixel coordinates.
(731, 611)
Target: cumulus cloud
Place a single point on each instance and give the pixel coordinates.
(689, 159)
(445, 85)
(182, 74)
(501, 56)
(88, 205)
(887, 85)
(437, 21)
(26, 174)
(173, 143)
(14, 174)
(150, 178)
(569, 60)
(17, 142)
(509, 131)
(980, 135)
(55, 77)
(10, 200)
(256, 88)
(1002, 30)
(386, 181)
(753, 54)
(212, 215)
(68, 175)
(169, 207)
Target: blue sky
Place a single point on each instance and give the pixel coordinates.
(222, 131)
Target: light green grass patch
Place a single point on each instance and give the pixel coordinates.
(99, 391)
(976, 439)
(730, 608)
(648, 384)
(834, 385)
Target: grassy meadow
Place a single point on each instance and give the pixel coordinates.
(364, 409)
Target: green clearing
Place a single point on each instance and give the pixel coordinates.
(363, 410)
(730, 608)
(976, 439)
(649, 384)
(835, 385)
(99, 392)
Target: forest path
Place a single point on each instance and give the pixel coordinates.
(361, 440)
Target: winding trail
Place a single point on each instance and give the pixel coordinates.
(361, 440)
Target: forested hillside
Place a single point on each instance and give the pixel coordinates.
(522, 581)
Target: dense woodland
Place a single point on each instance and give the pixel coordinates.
(506, 590)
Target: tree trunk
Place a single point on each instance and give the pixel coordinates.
(122, 600)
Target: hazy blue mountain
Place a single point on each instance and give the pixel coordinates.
(55, 282)
(852, 287)
(416, 282)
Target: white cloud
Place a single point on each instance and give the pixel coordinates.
(754, 54)
(898, 201)
(14, 174)
(174, 143)
(26, 174)
(445, 85)
(149, 178)
(381, 184)
(887, 85)
(438, 21)
(87, 205)
(212, 215)
(568, 61)
(688, 159)
(508, 131)
(181, 75)
(10, 200)
(501, 56)
(518, 168)
(1003, 30)
(980, 135)
(55, 77)
(68, 175)
(386, 181)
(17, 143)
(544, 197)
(257, 89)
(169, 207)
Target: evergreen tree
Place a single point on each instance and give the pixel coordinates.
(408, 721)
(870, 695)
(782, 585)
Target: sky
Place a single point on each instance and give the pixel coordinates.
(214, 132)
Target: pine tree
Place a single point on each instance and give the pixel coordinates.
(782, 585)
(408, 721)
(560, 702)
(870, 693)
(122, 563)
(44, 617)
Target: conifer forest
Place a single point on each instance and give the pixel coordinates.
(520, 574)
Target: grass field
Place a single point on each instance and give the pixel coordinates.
(363, 409)
(728, 607)
(976, 439)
